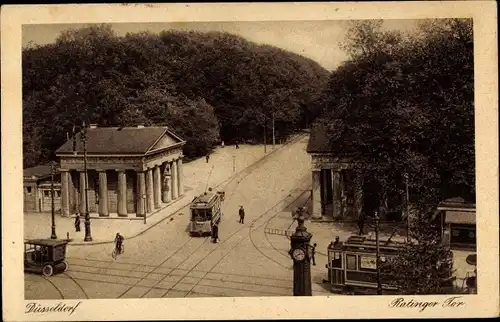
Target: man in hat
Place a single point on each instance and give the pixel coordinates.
(215, 232)
(77, 222)
(313, 254)
(241, 212)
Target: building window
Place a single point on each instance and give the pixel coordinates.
(28, 190)
(46, 194)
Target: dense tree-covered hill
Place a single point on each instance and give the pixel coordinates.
(206, 86)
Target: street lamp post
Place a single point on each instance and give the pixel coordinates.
(379, 284)
(407, 207)
(88, 234)
(52, 172)
(274, 136)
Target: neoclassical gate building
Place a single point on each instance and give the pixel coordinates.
(132, 171)
(337, 192)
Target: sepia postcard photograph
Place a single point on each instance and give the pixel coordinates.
(250, 160)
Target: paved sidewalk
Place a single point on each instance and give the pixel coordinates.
(224, 163)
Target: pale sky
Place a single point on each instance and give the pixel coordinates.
(317, 40)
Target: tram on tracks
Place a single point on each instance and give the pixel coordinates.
(352, 265)
(205, 210)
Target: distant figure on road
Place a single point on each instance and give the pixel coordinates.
(77, 222)
(118, 242)
(222, 144)
(361, 223)
(313, 254)
(207, 157)
(237, 144)
(241, 212)
(215, 232)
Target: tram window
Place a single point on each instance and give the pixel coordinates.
(351, 262)
(336, 260)
(209, 214)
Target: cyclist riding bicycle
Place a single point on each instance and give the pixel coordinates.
(118, 242)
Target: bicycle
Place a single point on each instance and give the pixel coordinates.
(115, 253)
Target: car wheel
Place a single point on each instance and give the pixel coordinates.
(47, 270)
(65, 263)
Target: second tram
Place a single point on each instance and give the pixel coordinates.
(352, 265)
(205, 210)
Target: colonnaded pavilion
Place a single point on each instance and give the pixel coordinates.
(132, 171)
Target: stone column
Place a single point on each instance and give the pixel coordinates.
(122, 193)
(150, 203)
(336, 194)
(65, 192)
(180, 177)
(141, 193)
(316, 194)
(167, 187)
(324, 189)
(157, 186)
(71, 193)
(103, 193)
(83, 194)
(175, 177)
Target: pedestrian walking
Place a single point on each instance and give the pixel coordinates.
(222, 144)
(237, 144)
(215, 232)
(361, 223)
(119, 242)
(313, 254)
(77, 223)
(241, 212)
(207, 157)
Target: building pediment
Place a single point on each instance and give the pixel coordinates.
(167, 140)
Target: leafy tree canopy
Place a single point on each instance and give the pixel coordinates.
(205, 86)
(405, 104)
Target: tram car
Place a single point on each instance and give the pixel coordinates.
(45, 256)
(352, 266)
(205, 210)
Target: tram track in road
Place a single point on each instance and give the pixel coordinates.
(77, 284)
(55, 286)
(148, 266)
(164, 261)
(239, 177)
(237, 243)
(267, 223)
(222, 243)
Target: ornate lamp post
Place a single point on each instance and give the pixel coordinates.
(301, 253)
(52, 173)
(88, 234)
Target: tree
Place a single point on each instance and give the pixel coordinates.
(424, 265)
(407, 107)
(224, 81)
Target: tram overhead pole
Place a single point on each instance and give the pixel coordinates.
(88, 233)
(379, 284)
(52, 173)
